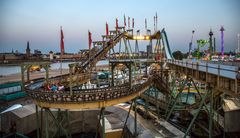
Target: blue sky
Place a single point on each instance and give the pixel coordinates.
(39, 21)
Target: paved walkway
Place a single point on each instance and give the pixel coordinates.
(33, 75)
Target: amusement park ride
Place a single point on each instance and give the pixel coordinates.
(169, 77)
(210, 53)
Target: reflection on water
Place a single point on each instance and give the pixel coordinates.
(7, 70)
(58, 65)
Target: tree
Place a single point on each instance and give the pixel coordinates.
(178, 55)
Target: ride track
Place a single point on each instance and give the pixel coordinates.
(112, 95)
(93, 98)
(102, 97)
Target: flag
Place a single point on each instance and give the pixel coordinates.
(116, 24)
(145, 23)
(128, 22)
(132, 22)
(124, 20)
(89, 39)
(62, 42)
(107, 29)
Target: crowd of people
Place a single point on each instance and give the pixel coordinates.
(54, 87)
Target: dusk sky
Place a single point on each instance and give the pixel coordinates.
(39, 21)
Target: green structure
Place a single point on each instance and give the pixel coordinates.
(201, 43)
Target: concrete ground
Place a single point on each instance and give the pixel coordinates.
(33, 75)
(40, 74)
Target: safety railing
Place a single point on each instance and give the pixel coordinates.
(65, 79)
(216, 69)
(87, 95)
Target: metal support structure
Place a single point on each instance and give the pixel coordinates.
(188, 87)
(41, 117)
(68, 123)
(211, 114)
(218, 76)
(22, 77)
(130, 54)
(179, 94)
(135, 117)
(130, 75)
(157, 105)
(37, 122)
(47, 73)
(109, 68)
(128, 51)
(206, 72)
(98, 84)
(103, 124)
(197, 89)
(46, 123)
(125, 123)
(27, 66)
(136, 49)
(209, 92)
(236, 80)
(100, 117)
(146, 70)
(28, 74)
(57, 122)
(71, 78)
(112, 69)
(173, 87)
(147, 101)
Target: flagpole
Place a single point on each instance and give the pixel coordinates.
(62, 51)
(89, 64)
(61, 55)
(61, 64)
(89, 46)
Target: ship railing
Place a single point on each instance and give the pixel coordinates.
(91, 95)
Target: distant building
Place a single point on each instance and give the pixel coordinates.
(37, 53)
(6, 57)
(51, 55)
(16, 52)
(28, 54)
